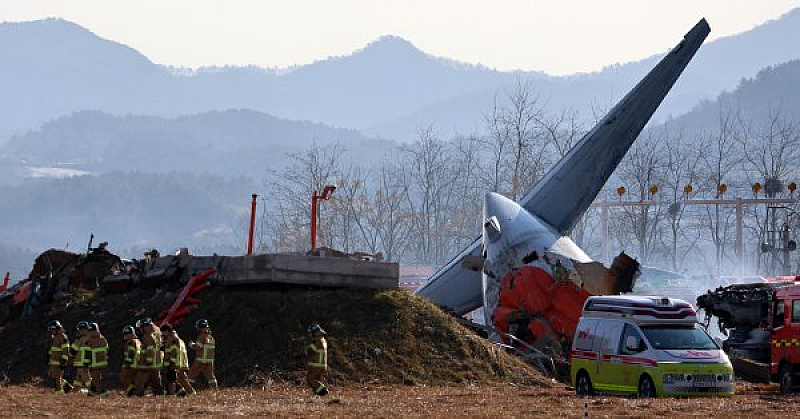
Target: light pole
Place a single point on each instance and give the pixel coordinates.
(252, 226)
(315, 198)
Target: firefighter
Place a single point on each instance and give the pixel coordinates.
(176, 363)
(98, 359)
(58, 355)
(150, 359)
(78, 352)
(204, 355)
(130, 359)
(317, 360)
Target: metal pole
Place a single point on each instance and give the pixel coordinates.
(314, 221)
(604, 218)
(739, 238)
(252, 226)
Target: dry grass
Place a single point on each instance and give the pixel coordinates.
(492, 401)
(386, 337)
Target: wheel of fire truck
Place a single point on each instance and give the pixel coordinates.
(5, 311)
(583, 384)
(786, 379)
(646, 387)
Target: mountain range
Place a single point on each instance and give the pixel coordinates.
(389, 88)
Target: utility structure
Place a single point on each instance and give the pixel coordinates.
(326, 194)
(252, 226)
(773, 203)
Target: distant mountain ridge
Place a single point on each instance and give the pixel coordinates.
(719, 66)
(771, 92)
(389, 88)
(224, 143)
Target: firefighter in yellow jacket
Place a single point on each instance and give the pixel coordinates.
(317, 360)
(130, 359)
(78, 353)
(98, 359)
(58, 355)
(176, 362)
(150, 359)
(204, 355)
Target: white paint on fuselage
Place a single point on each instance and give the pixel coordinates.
(521, 234)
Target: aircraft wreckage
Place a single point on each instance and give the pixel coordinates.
(530, 278)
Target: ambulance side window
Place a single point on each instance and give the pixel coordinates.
(584, 336)
(623, 345)
(610, 337)
(778, 318)
(795, 311)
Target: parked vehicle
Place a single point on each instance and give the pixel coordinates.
(648, 346)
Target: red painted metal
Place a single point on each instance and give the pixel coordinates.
(252, 226)
(315, 198)
(551, 307)
(6, 280)
(185, 301)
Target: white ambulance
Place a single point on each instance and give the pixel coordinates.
(648, 346)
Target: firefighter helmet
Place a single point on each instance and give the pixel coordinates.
(201, 324)
(94, 327)
(84, 325)
(54, 325)
(143, 322)
(316, 328)
(128, 330)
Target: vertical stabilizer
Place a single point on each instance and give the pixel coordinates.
(562, 196)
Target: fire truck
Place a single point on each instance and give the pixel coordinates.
(762, 324)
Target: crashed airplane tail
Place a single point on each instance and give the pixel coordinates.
(564, 194)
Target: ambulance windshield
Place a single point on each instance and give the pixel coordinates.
(678, 337)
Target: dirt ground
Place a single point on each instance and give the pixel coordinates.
(396, 401)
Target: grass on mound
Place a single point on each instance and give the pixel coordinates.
(374, 336)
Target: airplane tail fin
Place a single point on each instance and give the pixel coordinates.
(562, 196)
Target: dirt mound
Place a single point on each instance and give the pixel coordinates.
(374, 336)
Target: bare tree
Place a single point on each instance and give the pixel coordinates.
(771, 152)
(429, 168)
(720, 160)
(639, 170)
(497, 144)
(290, 219)
(683, 156)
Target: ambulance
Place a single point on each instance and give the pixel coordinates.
(646, 346)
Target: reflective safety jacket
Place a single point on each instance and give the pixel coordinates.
(204, 348)
(159, 353)
(150, 355)
(98, 350)
(59, 349)
(175, 352)
(317, 354)
(79, 352)
(130, 357)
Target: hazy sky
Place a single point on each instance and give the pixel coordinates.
(558, 37)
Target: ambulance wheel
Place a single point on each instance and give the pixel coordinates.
(646, 387)
(583, 384)
(786, 379)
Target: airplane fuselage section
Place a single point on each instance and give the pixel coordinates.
(512, 238)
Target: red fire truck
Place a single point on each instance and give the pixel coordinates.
(762, 322)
